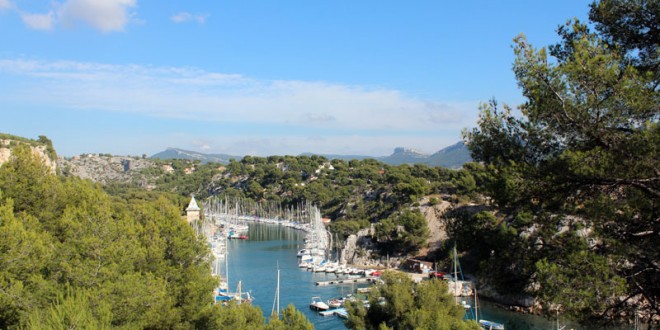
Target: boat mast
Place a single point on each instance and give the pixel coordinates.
(476, 305)
(239, 293)
(455, 274)
(227, 264)
(276, 304)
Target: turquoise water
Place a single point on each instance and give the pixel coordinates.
(255, 261)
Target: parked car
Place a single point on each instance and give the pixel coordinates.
(436, 274)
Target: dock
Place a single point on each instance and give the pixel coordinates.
(341, 312)
(327, 313)
(348, 281)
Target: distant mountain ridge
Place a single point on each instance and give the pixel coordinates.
(176, 153)
(453, 156)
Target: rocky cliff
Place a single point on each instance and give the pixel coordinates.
(108, 169)
(8, 143)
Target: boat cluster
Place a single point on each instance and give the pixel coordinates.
(319, 264)
(334, 306)
(286, 223)
(237, 231)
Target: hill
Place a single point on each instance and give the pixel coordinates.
(453, 156)
(176, 153)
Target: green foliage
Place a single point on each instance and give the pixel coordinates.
(50, 151)
(24, 256)
(246, 316)
(69, 239)
(290, 318)
(403, 232)
(27, 180)
(585, 148)
(347, 227)
(71, 256)
(232, 316)
(76, 310)
(579, 284)
(353, 194)
(188, 177)
(398, 303)
(633, 27)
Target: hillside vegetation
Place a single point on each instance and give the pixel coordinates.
(72, 256)
(577, 173)
(562, 206)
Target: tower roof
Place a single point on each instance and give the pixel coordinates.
(193, 205)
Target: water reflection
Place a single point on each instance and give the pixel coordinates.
(255, 262)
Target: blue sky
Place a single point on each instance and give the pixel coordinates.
(129, 77)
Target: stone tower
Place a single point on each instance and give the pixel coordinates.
(192, 212)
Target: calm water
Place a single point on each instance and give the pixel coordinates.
(255, 261)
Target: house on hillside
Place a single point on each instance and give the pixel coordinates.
(417, 266)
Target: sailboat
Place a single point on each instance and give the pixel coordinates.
(460, 282)
(485, 324)
(222, 294)
(276, 303)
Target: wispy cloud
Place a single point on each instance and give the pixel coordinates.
(5, 4)
(184, 17)
(350, 114)
(103, 15)
(38, 21)
(106, 15)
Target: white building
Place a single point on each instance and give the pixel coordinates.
(192, 212)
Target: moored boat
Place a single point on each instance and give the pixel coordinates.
(336, 302)
(331, 268)
(319, 268)
(318, 304)
(490, 325)
(484, 324)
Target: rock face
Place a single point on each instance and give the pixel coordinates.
(357, 250)
(434, 214)
(39, 151)
(106, 169)
(526, 303)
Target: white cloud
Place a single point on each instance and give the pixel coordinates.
(184, 17)
(328, 116)
(38, 21)
(5, 4)
(104, 15)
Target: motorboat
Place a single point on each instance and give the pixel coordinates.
(490, 325)
(318, 304)
(336, 302)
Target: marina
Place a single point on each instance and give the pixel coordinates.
(347, 281)
(266, 266)
(255, 262)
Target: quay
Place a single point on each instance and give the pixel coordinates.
(348, 281)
